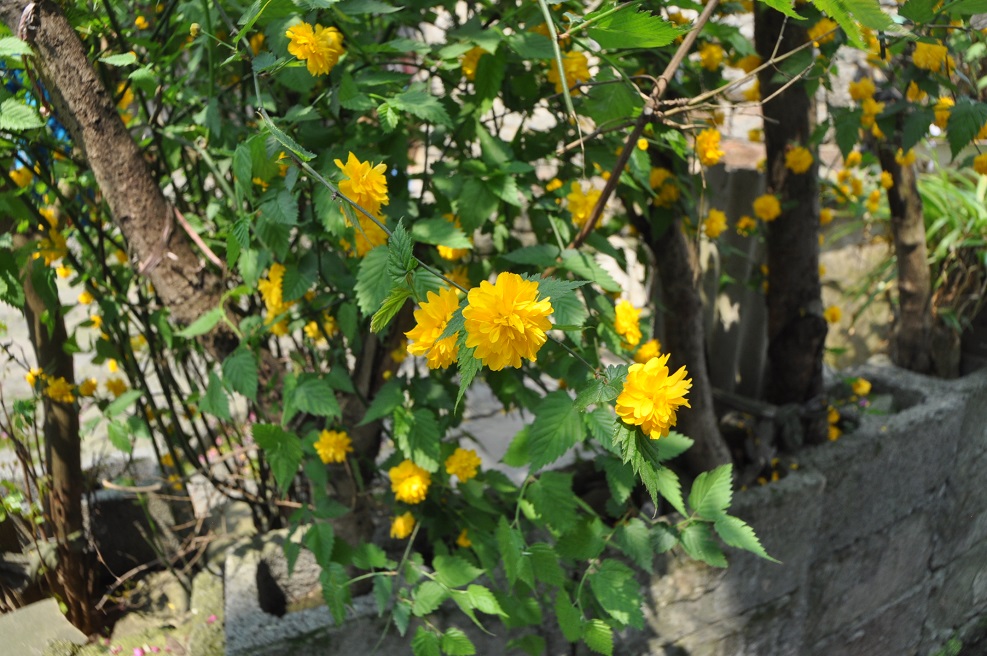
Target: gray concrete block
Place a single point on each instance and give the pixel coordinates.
(27, 631)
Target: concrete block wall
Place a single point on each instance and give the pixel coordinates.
(882, 537)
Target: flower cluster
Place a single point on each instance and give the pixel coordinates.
(652, 396)
(319, 47)
(505, 321)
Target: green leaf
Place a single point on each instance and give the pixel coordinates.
(389, 398)
(427, 597)
(335, 590)
(319, 539)
(598, 636)
(618, 592)
(215, 402)
(240, 372)
(440, 232)
(372, 282)
(16, 116)
(425, 643)
(736, 533)
(584, 266)
(569, 618)
(124, 59)
(282, 449)
(556, 429)
(965, 120)
(456, 643)
(315, 396)
(633, 29)
(712, 493)
(454, 572)
(698, 542)
(119, 436)
(11, 46)
(634, 539)
(203, 324)
(553, 499)
(284, 139)
(483, 600)
(388, 308)
(420, 103)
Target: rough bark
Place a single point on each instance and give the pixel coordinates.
(157, 243)
(796, 327)
(911, 337)
(74, 577)
(685, 340)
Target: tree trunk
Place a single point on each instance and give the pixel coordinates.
(160, 248)
(796, 327)
(911, 337)
(74, 577)
(685, 340)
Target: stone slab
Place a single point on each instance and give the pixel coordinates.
(28, 630)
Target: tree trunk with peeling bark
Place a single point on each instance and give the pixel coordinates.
(796, 327)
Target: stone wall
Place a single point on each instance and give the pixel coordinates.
(882, 537)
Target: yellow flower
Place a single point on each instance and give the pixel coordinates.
(980, 164)
(767, 207)
(115, 386)
(432, 318)
(823, 31)
(409, 482)
(833, 314)
(32, 375)
(576, 68)
(931, 57)
(942, 108)
(663, 182)
(748, 63)
(463, 464)
(861, 386)
(650, 349)
(903, 158)
(141, 23)
(470, 61)
(745, 226)
(402, 526)
(715, 223)
(332, 446)
(887, 181)
(711, 56)
(553, 184)
(88, 387)
(862, 89)
(798, 160)
(651, 396)
(319, 48)
(628, 324)
(22, 176)
(825, 216)
(708, 147)
(453, 254)
(463, 540)
(914, 93)
(365, 185)
(505, 321)
(85, 298)
(581, 204)
(256, 43)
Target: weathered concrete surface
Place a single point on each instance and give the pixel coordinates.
(29, 630)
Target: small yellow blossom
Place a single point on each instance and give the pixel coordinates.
(332, 446)
(505, 321)
(651, 396)
(431, 320)
(833, 314)
(767, 207)
(320, 47)
(409, 482)
(576, 68)
(403, 525)
(463, 540)
(798, 160)
(708, 147)
(861, 386)
(463, 464)
(715, 224)
(628, 323)
(650, 349)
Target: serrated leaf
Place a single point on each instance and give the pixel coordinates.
(556, 429)
(240, 372)
(11, 46)
(390, 307)
(124, 59)
(16, 116)
(618, 592)
(633, 29)
(456, 643)
(215, 402)
(425, 643)
(736, 533)
(319, 539)
(966, 119)
(598, 636)
(427, 597)
(712, 492)
(282, 449)
(203, 324)
(569, 618)
(372, 281)
(552, 497)
(697, 540)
